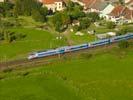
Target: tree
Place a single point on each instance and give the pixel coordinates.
(61, 21)
(40, 15)
(85, 23)
(25, 7)
(121, 2)
(76, 13)
(125, 30)
(93, 16)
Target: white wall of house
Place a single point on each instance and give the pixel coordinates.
(59, 6)
(105, 13)
(2, 0)
(126, 1)
(51, 7)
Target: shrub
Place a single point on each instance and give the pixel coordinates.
(6, 70)
(123, 44)
(86, 55)
(110, 25)
(1, 77)
(25, 73)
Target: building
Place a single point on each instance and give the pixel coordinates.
(121, 14)
(129, 4)
(2, 0)
(105, 13)
(54, 5)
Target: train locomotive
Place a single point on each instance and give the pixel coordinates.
(66, 49)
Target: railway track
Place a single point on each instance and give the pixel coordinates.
(26, 63)
(48, 60)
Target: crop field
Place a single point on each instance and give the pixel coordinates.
(102, 75)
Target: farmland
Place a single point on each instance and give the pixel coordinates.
(105, 75)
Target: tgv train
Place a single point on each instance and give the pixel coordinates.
(66, 49)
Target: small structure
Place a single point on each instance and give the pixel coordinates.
(111, 34)
(54, 5)
(75, 22)
(106, 35)
(92, 32)
(79, 34)
(101, 36)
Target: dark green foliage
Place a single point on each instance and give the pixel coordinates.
(123, 44)
(74, 10)
(60, 21)
(6, 9)
(25, 73)
(1, 77)
(125, 30)
(76, 28)
(93, 16)
(86, 55)
(7, 70)
(85, 23)
(40, 14)
(121, 2)
(25, 7)
(110, 25)
(9, 37)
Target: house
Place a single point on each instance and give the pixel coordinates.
(121, 14)
(129, 4)
(54, 5)
(94, 5)
(105, 13)
(2, 0)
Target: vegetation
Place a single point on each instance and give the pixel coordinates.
(103, 77)
(123, 44)
(102, 74)
(110, 25)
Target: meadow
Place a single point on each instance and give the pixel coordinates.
(35, 40)
(105, 75)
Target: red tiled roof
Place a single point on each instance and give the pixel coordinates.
(50, 1)
(122, 11)
(128, 14)
(117, 11)
(88, 2)
(131, 1)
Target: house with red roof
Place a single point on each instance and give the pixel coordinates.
(94, 5)
(121, 14)
(54, 5)
(129, 4)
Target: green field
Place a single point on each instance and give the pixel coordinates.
(106, 75)
(35, 40)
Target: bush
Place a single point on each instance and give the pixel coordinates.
(1, 77)
(123, 44)
(86, 55)
(25, 73)
(6, 70)
(110, 25)
(125, 30)
(76, 28)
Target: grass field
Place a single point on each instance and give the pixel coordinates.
(35, 40)
(106, 75)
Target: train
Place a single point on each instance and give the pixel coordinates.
(67, 49)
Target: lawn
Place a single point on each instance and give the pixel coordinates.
(106, 75)
(35, 40)
(81, 39)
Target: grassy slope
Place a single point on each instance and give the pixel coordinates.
(106, 76)
(35, 40)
